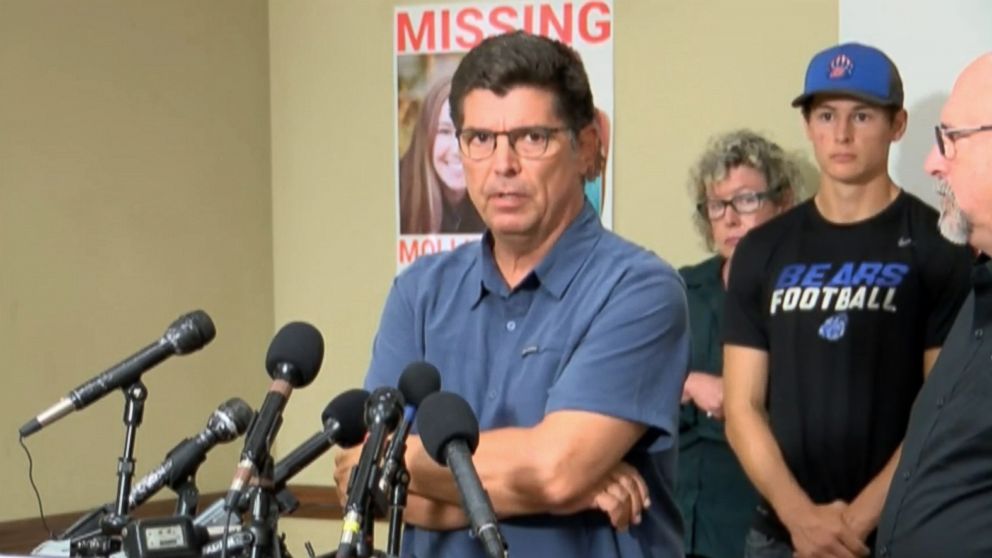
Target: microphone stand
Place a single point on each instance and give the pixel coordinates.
(188, 497)
(85, 524)
(106, 541)
(364, 545)
(134, 411)
(264, 515)
(397, 505)
(287, 501)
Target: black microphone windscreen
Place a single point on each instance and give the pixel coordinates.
(385, 405)
(299, 345)
(239, 412)
(443, 417)
(190, 332)
(419, 379)
(348, 410)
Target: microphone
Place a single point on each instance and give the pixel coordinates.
(419, 379)
(189, 333)
(450, 433)
(382, 413)
(293, 360)
(229, 421)
(343, 424)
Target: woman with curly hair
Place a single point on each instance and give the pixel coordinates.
(740, 181)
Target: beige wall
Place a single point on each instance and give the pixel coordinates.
(134, 186)
(689, 70)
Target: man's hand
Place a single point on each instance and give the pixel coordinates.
(821, 531)
(344, 462)
(706, 392)
(621, 494)
(861, 524)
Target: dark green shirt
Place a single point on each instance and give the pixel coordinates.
(715, 496)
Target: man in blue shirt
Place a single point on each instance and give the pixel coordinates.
(569, 343)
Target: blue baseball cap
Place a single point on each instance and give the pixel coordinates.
(853, 70)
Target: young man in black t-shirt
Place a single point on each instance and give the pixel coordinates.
(834, 313)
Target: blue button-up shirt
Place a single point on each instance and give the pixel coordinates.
(600, 325)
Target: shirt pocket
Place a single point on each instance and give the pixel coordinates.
(528, 384)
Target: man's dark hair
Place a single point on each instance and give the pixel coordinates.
(516, 59)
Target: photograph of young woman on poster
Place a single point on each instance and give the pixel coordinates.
(433, 198)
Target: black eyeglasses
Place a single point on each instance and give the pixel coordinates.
(743, 203)
(947, 136)
(529, 142)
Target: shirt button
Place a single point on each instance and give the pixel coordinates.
(978, 333)
(940, 402)
(905, 475)
(884, 551)
(511, 325)
(492, 395)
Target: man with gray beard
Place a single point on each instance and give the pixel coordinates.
(939, 501)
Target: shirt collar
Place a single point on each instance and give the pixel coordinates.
(705, 275)
(555, 272)
(981, 283)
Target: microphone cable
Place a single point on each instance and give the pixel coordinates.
(37, 494)
(227, 532)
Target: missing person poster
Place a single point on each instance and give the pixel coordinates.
(434, 212)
